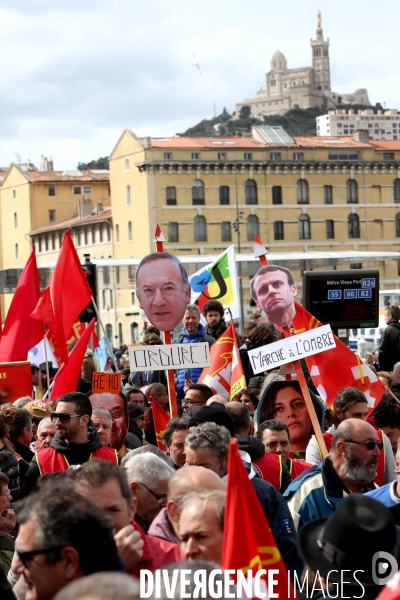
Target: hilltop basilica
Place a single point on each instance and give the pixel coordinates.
(300, 88)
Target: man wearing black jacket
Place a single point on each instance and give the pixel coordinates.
(75, 442)
(389, 346)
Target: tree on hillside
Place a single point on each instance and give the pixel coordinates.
(100, 163)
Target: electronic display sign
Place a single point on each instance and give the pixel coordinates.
(347, 298)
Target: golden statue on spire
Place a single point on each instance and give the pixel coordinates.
(319, 18)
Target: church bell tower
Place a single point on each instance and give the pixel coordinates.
(320, 58)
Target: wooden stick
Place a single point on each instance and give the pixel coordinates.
(173, 405)
(309, 403)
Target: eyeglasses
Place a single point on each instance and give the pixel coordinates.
(7, 493)
(62, 417)
(369, 445)
(159, 499)
(25, 557)
(191, 401)
(204, 466)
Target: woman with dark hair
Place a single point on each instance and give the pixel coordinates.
(351, 403)
(8, 458)
(249, 397)
(283, 400)
(258, 337)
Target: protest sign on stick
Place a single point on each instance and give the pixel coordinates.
(174, 309)
(274, 290)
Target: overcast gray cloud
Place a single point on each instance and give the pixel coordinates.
(75, 74)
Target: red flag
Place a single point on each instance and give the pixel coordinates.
(161, 420)
(65, 298)
(67, 376)
(225, 373)
(391, 591)
(248, 539)
(22, 332)
(337, 368)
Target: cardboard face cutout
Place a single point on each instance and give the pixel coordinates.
(117, 406)
(274, 291)
(283, 400)
(163, 289)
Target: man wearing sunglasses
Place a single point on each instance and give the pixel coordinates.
(349, 469)
(75, 442)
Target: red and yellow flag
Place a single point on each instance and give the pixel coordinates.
(225, 373)
(340, 367)
(161, 420)
(248, 539)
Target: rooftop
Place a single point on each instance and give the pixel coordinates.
(103, 215)
(196, 143)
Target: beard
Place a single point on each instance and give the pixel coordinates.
(356, 473)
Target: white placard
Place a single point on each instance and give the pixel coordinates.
(173, 356)
(287, 350)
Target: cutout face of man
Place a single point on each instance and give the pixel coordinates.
(115, 406)
(162, 293)
(275, 296)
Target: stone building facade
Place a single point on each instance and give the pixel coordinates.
(300, 88)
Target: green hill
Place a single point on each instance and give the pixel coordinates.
(298, 121)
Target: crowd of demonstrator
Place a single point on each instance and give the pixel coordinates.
(69, 533)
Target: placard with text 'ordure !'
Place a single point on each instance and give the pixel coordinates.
(171, 356)
(348, 298)
(163, 289)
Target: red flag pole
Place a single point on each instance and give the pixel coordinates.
(173, 405)
(260, 253)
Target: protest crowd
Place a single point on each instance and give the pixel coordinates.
(283, 470)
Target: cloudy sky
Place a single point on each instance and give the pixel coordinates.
(75, 73)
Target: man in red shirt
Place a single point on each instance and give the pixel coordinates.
(275, 436)
(106, 485)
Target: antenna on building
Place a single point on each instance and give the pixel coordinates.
(17, 154)
(215, 109)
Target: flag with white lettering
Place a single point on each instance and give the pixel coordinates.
(225, 373)
(340, 367)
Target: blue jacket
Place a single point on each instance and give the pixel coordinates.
(185, 338)
(316, 493)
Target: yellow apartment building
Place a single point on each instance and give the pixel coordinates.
(35, 204)
(299, 194)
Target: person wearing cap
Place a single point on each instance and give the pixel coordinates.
(207, 446)
(39, 410)
(135, 431)
(349, 469)
(342, 549)
(369, 359)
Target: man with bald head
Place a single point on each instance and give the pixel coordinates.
(183, 482)
(201, 524)
(217, 398)
(349, 468)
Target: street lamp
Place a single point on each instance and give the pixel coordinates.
(236, 227)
